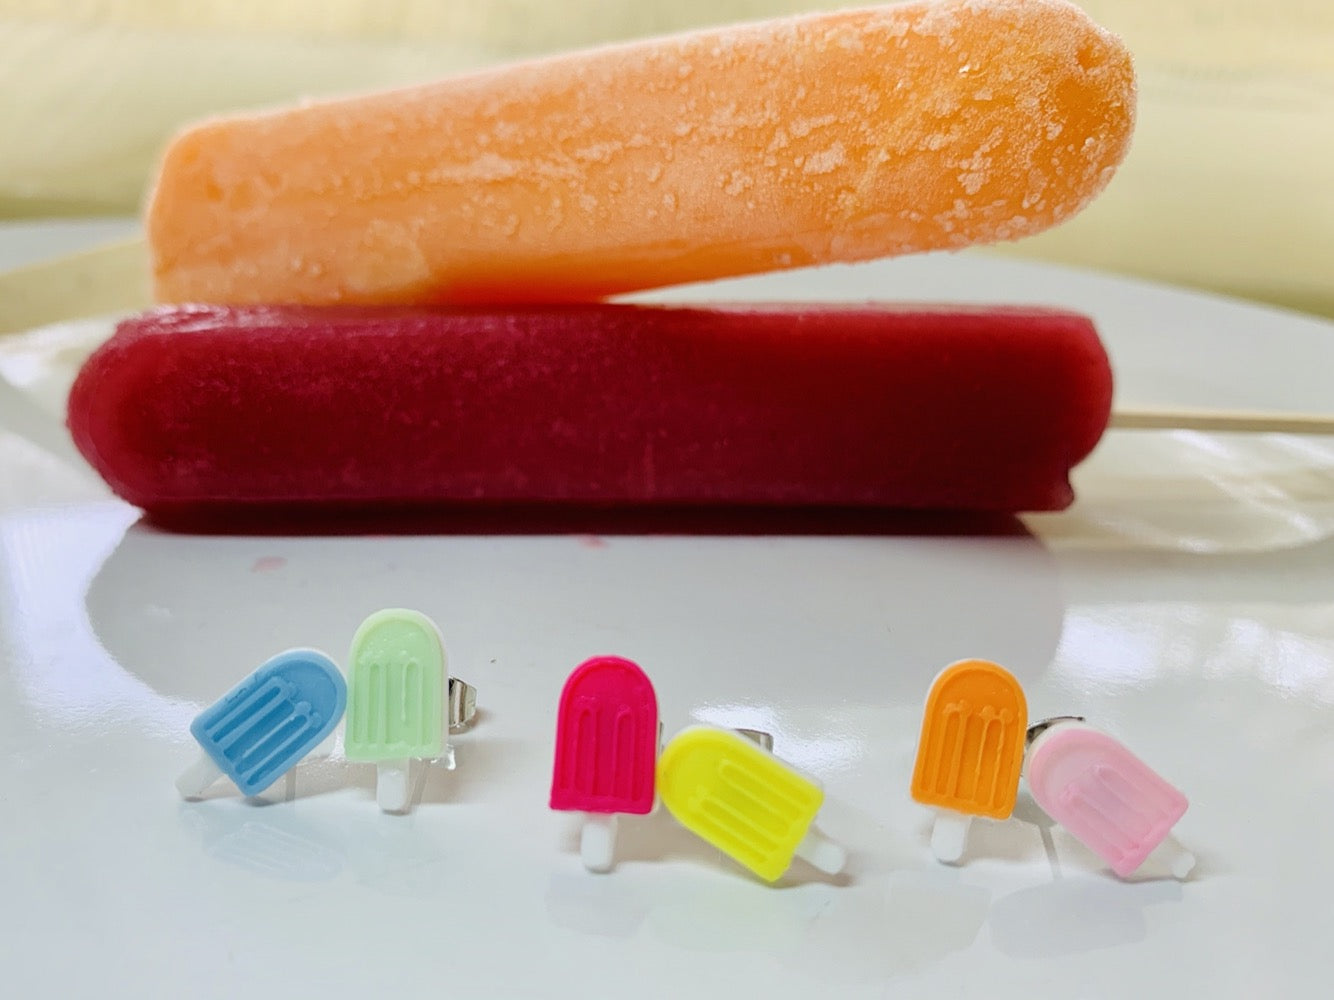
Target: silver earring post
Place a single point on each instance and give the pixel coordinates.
(462, 704)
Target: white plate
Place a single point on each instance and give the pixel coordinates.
(1184, 603)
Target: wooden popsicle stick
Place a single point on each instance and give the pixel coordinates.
(1224, 421)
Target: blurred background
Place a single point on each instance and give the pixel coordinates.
(1229, 186)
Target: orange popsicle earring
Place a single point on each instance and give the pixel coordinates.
(971, 751)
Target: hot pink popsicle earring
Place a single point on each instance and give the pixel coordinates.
(1109, 799)
(607, 737)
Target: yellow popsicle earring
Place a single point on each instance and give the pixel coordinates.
(744, 801)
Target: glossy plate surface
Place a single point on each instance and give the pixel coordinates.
(1183, 604)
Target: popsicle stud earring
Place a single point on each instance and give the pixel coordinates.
(1109, 799)
(970, 752)
(262, 727)
(730, 791)
(401, 701)
(607, 735)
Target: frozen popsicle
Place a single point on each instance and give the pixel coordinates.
(397, 686)
(210, 413)
(606, 751)
(262, 727)
(744, 801)
(1113, 802)
(970, 752)
(836, 136)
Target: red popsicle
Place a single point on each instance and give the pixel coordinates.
(215, 412)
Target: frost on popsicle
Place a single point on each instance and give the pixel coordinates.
(826, 137)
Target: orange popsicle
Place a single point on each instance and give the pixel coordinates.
(828, 137)
(971, 749)
(972, 743)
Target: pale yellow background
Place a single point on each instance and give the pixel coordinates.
(1229, 186)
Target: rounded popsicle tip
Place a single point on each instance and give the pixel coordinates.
(390, 628)
(111, 436)
(200, 188)
(1024, 110)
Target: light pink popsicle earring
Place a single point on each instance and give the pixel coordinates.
(1109, 799)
